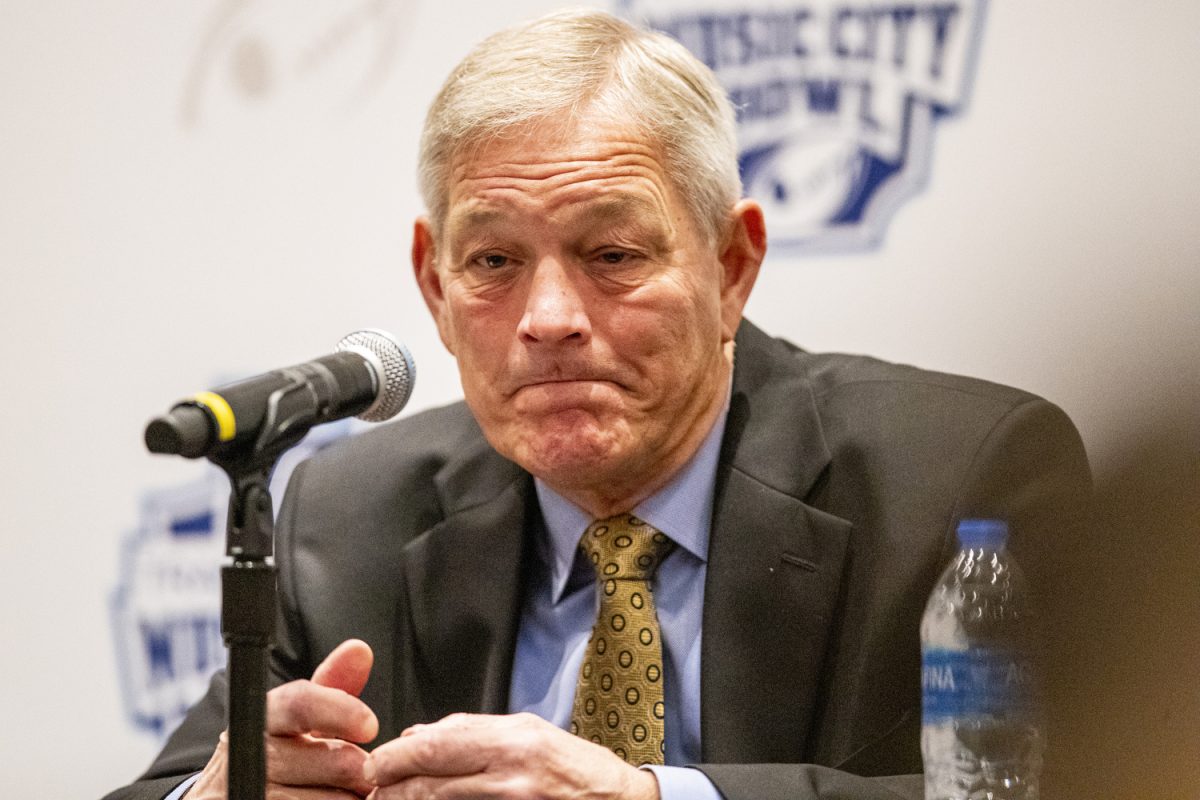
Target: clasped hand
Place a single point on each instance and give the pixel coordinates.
(315, 727)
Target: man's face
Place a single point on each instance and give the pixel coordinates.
(591, 319)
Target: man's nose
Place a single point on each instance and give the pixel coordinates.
(555, 311)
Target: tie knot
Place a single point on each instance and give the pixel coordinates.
(624, 547)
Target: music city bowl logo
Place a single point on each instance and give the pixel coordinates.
(166, 608)
(837, 101)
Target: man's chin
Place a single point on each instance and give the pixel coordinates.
(573, 453)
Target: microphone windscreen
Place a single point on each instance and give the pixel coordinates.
(394, 369)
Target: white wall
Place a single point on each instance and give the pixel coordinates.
(196, 190)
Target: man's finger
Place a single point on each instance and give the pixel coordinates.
(452, 746)
(303, 707)
(347, 667)
(306, 793)
(307, 761)
(468, 787)
(460, 744)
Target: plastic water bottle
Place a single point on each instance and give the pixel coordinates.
(981, 735)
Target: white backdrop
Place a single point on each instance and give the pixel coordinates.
(196, 190)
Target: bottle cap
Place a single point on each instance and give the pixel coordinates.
(986, 533)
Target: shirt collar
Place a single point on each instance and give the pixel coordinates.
(682, 510)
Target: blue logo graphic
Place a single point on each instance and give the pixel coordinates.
(837, 101)
(166, 608)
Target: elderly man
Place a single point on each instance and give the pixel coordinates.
(667, 538)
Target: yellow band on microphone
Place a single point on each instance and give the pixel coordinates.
(222, 413)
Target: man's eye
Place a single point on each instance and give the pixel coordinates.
(493, 261)
(613, 257)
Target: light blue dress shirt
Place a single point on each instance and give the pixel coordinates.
(561, 606)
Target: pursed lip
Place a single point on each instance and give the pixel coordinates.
(564, 381)
(555, 381)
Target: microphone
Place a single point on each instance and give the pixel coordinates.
(370, 375)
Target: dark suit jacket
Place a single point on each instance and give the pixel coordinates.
(840, 482)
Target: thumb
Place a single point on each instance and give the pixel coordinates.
(346, 668)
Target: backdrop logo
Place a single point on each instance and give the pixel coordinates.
(166, 609)
(259, 53)
(837, 101)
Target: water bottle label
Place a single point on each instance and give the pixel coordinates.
(956, 683)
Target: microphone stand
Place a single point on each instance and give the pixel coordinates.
(247, 445)
(248, 582)
(248, 627)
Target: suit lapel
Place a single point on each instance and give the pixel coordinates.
(774, 569)
(461, 601)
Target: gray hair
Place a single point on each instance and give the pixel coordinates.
(569, 61)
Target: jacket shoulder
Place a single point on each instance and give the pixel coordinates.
(894, 426)
(834, 374)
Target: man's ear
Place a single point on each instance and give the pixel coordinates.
(741, 255)
(424, 259)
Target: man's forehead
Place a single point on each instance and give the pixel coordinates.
(612, 207)
(556, 146)
(614, 186)
(586, 162)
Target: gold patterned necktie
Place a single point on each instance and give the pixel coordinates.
(619, 697)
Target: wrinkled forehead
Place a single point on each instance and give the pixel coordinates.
(557, 153)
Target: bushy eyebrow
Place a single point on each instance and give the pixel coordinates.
(621, 207)
(473, 218)
(634, 214)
